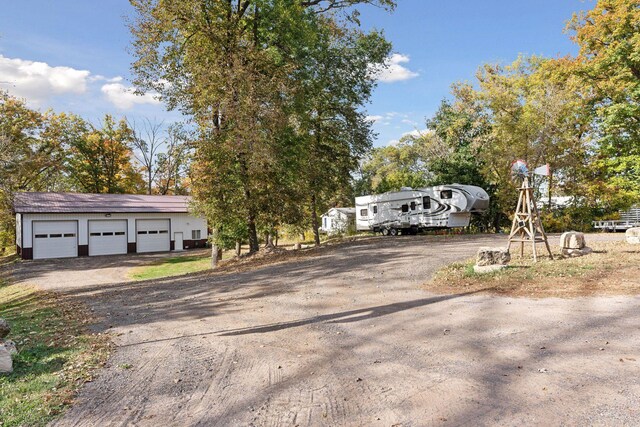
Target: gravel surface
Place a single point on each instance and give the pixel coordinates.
(349, 338)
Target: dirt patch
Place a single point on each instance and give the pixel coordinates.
(612, 269)
(350, 337)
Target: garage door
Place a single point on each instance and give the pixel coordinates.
(55, 239)
(107, 237)
(152, 235)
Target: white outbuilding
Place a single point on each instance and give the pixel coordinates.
(338, 220)
(63, 225)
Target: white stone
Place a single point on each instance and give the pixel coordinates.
(6, 363)
(484, 269)
(572, 240)
(633, 235)
(11, 346)
(492, 256)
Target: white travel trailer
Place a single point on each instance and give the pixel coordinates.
(411, 210)
(338, 220)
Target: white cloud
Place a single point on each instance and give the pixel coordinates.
(124, 97)
(414, 133)
(373, 119)
(38, 81)
(394, 70)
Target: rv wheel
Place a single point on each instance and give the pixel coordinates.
(393, 232)
(385, 231)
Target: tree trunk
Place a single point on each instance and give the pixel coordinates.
(314, 220)
(276, 242)
(254, 245)
(238, 248)
(215, 252)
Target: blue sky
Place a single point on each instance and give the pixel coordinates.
(71, 55)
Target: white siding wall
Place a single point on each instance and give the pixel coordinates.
(18, 230)
(180, 222)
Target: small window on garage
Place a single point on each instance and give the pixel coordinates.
(153, 231)
(375, 209)
(426, 202)
(108, 233)
(405, 208)
(364, 212)
(413, 206)
(142, 232)
(41, 236)
(446, 194)
(94, 234)
(70, 235)
(195, 234)
(119, 233)
(163, 231)
(52, 236)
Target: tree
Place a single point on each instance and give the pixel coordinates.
(99, 160)
(146, 141)
(232, 67)
(173, 164)
(609, 64)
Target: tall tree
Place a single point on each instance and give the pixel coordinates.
(609, 64)
(100, 159)
(147, 140)
(231, 66)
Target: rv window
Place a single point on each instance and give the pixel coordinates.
(446, 194)
(405, 208)
(363, 212)
(426, 202)
(375, 209)
(413, 206)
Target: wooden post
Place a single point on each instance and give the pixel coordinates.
(527, 226)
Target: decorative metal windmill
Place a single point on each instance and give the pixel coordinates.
(527, 227)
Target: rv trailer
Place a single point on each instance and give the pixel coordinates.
(411, 210)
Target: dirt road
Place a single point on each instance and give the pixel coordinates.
(350, 338)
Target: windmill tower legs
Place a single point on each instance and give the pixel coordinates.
(526, 226)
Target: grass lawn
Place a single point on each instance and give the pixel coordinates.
(612, 269)
(56, 355)
(171, 267)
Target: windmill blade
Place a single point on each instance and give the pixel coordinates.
(542, 170)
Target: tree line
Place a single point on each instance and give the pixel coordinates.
(63, 152)
(580, 115)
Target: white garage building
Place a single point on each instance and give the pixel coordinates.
(62, 225)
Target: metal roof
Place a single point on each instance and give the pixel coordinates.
(98, 203)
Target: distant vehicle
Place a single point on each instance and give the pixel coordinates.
(338, 221)
(410, 210)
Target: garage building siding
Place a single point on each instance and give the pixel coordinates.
(179, 222)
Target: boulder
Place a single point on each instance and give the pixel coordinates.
(572, 240)
(492, 256)
(484, 269)
(4, 328)
(633, 235)
(11, 346)
(573, 253)
(297, 246)
(6, 363)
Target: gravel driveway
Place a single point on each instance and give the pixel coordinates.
(351, 338)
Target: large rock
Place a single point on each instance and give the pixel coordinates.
(4, 328)
(10, 346)
(6, 363)
(572, 240)
(633, 235)
(492, 256)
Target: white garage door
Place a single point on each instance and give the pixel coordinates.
(152, 235)
(107, 237)
(55, 239)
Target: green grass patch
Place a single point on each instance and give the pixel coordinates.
(56, 355)
(610, 270)
(167, 267)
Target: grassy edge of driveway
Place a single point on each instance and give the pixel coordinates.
(56, 354)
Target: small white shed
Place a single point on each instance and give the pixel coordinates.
(338, 220)
(63, 225)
